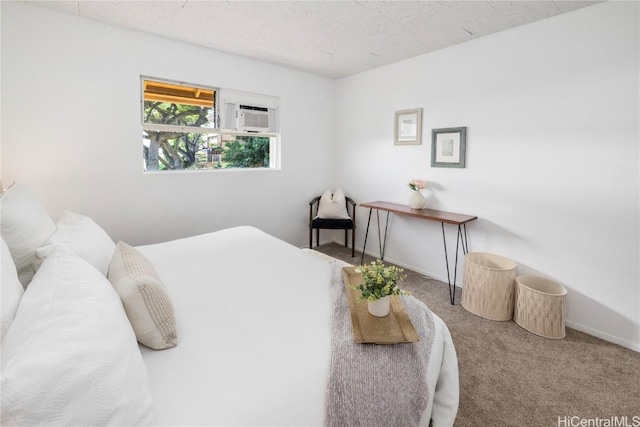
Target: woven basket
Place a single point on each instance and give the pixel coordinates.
(488, 283)
(540, 306)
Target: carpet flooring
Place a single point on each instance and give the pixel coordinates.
(511, 377)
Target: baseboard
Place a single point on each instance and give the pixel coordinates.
(603, 335)
(322, 242)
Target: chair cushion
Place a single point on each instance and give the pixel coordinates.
(333, 206)
(336, 224)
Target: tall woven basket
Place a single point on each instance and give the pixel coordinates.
(488, 283)
(540, 306)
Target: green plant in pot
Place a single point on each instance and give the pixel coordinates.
(379, 282)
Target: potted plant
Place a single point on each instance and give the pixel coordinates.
(379, 282)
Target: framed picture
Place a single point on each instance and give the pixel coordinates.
(408, 127)
(448, 147)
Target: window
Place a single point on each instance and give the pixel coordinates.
(181, 128)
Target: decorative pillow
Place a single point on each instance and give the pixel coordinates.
(26, 225)
(145, 300)
(70, 356)
(333, 206)
(80, 234)
(11, 291)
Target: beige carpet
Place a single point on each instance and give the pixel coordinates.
(511, 377)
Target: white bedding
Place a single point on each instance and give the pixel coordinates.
(254, 323)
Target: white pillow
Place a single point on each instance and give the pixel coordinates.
(11, 289)
(333, 206)
(80, 234)
(70, 357)
(26, 225)
(146, 302)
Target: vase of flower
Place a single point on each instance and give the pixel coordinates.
(416, 199)
(379, 282)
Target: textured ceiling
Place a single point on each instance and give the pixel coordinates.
(331, 38)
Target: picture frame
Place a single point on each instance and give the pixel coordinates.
(449, 147)
(408, 127)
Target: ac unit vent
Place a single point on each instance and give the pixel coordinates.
(253, 118)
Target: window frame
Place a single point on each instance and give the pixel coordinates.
(216, 129)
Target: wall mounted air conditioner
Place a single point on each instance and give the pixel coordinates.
(248, 112)
(252, 118)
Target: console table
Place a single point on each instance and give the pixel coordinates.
(442, 217)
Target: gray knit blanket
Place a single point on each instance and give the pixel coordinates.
(376, 385)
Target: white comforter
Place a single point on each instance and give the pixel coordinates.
(254, 324)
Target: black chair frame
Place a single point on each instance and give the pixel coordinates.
(333, 224)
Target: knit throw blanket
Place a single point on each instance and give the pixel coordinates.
(376, 385)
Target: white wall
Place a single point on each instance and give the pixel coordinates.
(551, 110)
(71, 130)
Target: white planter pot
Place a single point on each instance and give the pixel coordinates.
(380, 307)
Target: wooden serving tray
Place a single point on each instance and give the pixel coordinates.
(393, 329)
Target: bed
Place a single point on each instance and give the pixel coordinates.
(251, 344)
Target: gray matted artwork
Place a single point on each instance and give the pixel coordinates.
(448, 147)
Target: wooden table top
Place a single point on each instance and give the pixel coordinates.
(429, 214)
